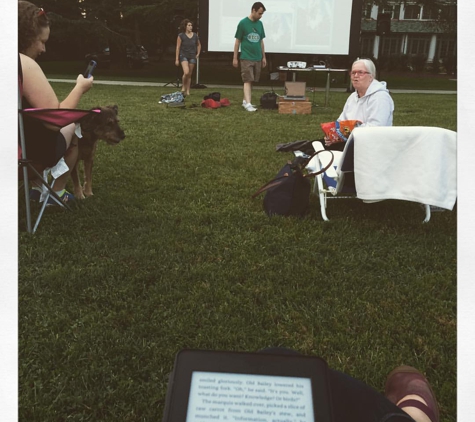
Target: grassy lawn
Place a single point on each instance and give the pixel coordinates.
(171, 252)
(213, 71)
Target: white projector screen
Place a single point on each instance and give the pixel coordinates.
(291, 26)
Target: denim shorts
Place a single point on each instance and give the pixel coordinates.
(186, 59)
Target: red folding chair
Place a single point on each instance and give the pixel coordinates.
(57, 117)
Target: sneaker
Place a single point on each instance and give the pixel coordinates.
(244, 104)
(65, 197)
(249, 107)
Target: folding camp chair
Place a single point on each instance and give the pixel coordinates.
(412, 163)
(57, 117)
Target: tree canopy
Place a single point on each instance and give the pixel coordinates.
(114, 23)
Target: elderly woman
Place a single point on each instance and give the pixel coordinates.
(371, 103)
(45, 144)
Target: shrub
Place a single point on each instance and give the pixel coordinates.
(418, 62)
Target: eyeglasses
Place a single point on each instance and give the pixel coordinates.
(358, 72)
(41, 12)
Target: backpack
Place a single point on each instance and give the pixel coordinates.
(269, 101)
(174, 97)
(216, 96)
(288, 194)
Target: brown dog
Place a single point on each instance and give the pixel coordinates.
(95, 126)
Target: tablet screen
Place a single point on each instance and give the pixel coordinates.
(249, 398)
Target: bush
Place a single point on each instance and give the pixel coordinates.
(398, 62)
(450, 64)
(418, 62)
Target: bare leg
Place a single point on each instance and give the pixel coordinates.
(247, 92)
(416, 414)
(70, 157)
(186, 73)
(191, 66)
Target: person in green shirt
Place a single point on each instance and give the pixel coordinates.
(250, 36)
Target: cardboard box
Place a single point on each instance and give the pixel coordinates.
(295, 89)
(295, 107)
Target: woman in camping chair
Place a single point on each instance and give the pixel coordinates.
(371, 102)
(45, 144)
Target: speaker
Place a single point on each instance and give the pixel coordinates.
(383, 24)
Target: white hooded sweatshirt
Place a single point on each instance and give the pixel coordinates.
(375, 108)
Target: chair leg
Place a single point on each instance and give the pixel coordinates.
(321, 196)
(427, 218)
(27, 199)
(51, 193)
(42, 210)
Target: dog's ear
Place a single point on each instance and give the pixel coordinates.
(115, 108)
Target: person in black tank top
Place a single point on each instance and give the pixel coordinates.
(45, 144)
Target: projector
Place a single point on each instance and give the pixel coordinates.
(296, 65)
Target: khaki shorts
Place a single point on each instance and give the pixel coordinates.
(250, 70)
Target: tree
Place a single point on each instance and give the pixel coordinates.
(114, 23)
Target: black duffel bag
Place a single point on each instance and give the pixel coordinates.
(216, 96)
(288, 194)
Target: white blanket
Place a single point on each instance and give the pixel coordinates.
(412, 163)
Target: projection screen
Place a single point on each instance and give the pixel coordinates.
(291, 26)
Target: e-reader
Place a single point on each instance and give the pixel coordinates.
(247, 387)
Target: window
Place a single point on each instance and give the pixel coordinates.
(412, 11)
(429, 13)
(367, 45)
(446, 47)
(367, 11)
(393, 10)
(418, 44)
(391, 45)
(397, 11)
(449, 12)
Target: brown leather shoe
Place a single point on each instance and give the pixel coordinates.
(406, 380)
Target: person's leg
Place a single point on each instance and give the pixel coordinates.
(186, 72)
(70, 157)
(188, 86)
(247, 75)
(354, 401)
(247, 92)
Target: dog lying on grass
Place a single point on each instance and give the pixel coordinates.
(103, 125)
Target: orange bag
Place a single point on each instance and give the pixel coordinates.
(339, 131)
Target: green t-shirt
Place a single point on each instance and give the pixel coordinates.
(250, 34)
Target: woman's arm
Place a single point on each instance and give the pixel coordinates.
(40, 94)
(198, 47)
(177, 52)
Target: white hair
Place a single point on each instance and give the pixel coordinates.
(370, 67)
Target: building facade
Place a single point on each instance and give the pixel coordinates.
(417, 31)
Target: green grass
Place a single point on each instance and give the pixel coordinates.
(171, 252)
(214, 71)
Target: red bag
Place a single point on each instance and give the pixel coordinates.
(210, 103)
(339, 131)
